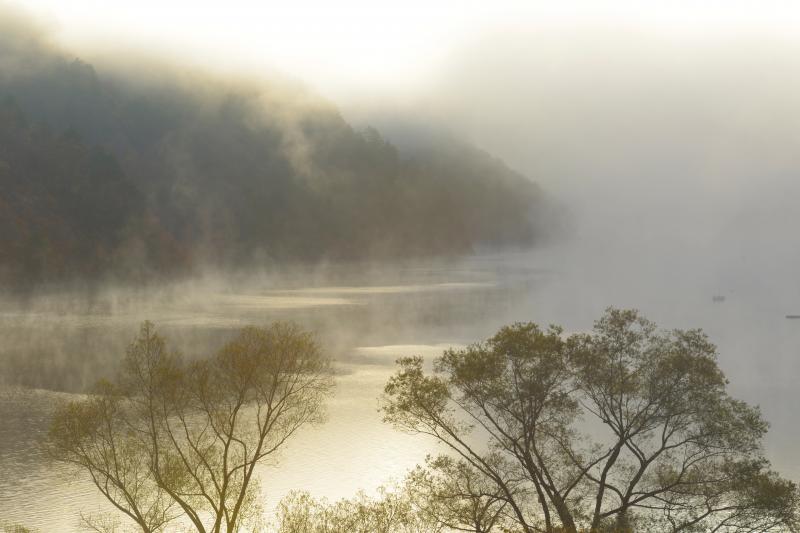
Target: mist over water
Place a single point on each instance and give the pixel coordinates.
(677, 154)
(677, 158)
(365, 316)
(416, 309)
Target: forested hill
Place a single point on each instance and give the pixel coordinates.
(115, 175)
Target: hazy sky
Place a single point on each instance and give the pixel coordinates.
(347, 44)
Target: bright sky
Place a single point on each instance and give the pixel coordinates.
(368, 42)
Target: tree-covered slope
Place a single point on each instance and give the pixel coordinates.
(153, 171)
(67, 209)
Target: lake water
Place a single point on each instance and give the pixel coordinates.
(367, 315)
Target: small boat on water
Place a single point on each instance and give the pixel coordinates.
(793, 316)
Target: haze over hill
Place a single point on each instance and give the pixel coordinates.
(145, 169)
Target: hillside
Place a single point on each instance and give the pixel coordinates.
(129, 174)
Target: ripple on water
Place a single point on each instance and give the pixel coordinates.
(390, 289)
(255, 301)
(33, 491)
(404, 350)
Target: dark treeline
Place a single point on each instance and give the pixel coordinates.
(66, 208)
(154, 171)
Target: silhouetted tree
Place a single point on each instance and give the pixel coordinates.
(622, 428)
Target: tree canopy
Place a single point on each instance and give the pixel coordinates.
(169, 440)
(623, 428)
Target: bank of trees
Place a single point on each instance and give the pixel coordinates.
(624, 428)
(67, 209)
(171, 173)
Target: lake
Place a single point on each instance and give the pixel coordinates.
(366, 315)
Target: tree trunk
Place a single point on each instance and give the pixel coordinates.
(622, 524)
(567, 523)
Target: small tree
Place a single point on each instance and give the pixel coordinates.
(7, 527)
(393, 511)
(619, 429)
(456, 496)
(443, 497)
(169, 439)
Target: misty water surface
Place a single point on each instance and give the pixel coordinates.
(366, 316)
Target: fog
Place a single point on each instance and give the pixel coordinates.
(622, 122)
(678, 157)
(675, 154)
